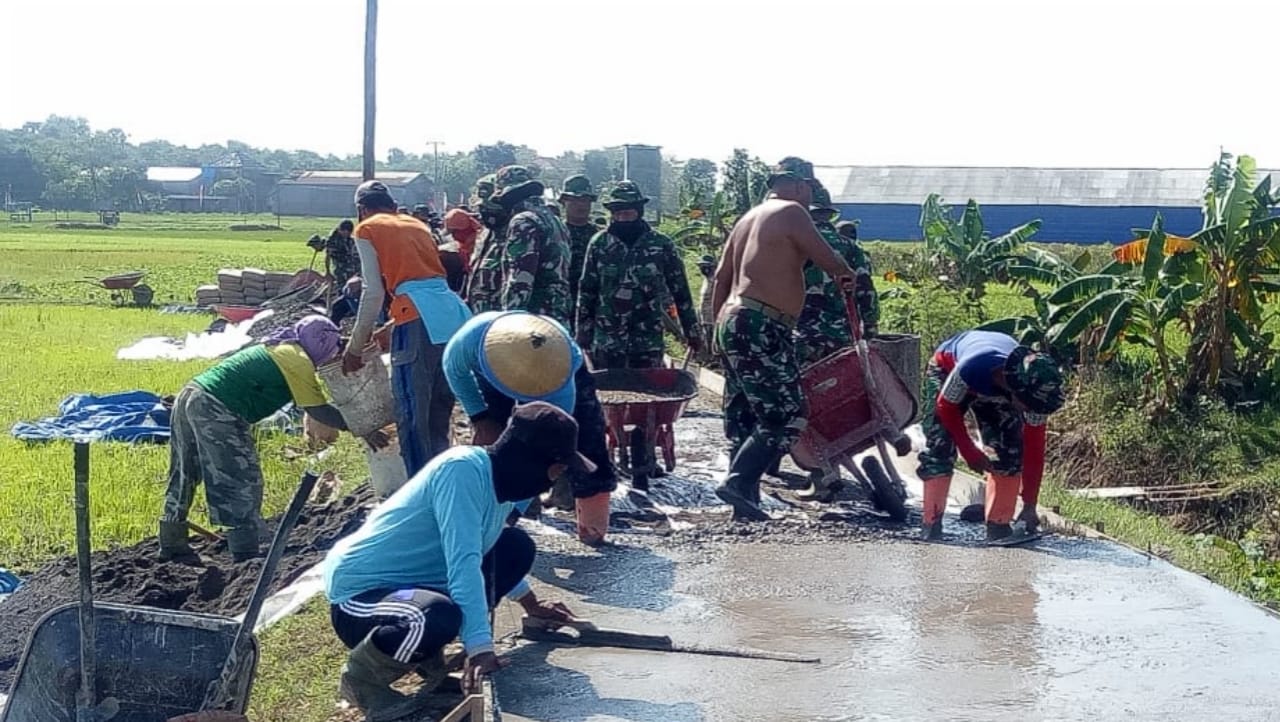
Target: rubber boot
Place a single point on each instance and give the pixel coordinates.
(1001, 501)
(996, 532)
(936, 490)
(173, 541)
(593, 518)
(432, 671)
(244, 542)
(366, 683)
(641, 461)
(561, 496)
(741, 488)
(1029, 519)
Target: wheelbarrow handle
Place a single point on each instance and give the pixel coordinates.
(851, 309)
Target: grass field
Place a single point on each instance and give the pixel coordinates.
(51, 350)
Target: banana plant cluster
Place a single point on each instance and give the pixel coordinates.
(1213, 285)
(963, 255)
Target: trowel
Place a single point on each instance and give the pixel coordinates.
(587, 634)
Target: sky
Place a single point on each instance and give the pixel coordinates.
(1118, 83)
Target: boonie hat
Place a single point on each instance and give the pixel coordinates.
(546, 428)
(1035, 380)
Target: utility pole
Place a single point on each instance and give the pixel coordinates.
(370, 85)
(435, 146)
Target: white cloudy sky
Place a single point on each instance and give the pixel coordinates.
(1023, 82)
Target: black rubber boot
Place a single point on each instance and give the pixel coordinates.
(173, 541)
(996, 532)
(742, 487)
(244, 542)
(366, 683)
(641, 461)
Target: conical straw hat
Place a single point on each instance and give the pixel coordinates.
(527, 355)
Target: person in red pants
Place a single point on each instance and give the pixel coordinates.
(1011, 391)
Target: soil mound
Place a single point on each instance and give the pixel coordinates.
(214, 584)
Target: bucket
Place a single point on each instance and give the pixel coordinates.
(364, 397)
(902, 352)
(386, 470)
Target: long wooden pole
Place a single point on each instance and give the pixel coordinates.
(86, 696)
(370, 84)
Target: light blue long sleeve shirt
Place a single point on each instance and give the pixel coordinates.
(462, 367)
(432, 533)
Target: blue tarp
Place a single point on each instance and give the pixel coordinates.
(131, 416)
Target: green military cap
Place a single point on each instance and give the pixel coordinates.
(513, 177)
(578, 186)
(792, 168)
(625, 194)
(821, 203)
(484, 187)
(1035, 380)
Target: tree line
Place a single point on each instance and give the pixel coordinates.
(64, 163)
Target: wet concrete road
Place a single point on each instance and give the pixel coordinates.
(1071, 630)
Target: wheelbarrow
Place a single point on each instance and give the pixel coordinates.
(649, 400)
(94, 661)
(139, 293)
(857, 401)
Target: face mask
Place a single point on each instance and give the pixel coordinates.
(494, 220)
(628, 231)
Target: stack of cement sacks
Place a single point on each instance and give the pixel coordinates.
(243, 287)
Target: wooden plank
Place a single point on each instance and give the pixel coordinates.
(1112, 492)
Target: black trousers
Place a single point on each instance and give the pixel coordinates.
(591, 432)
(413, 624)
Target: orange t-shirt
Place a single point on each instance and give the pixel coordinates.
(406, 252)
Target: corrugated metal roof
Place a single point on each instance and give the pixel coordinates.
(1176, 187)
(172, 174)
(350, 177)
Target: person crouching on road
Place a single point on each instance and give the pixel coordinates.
(398, 255)
(1011, 391)
(211, 439)
(430, 563)
(501, 358)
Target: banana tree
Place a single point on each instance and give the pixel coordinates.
(707, 225)
(1239, 247)
(1029, 272)
(1131, 303)
(961, 250)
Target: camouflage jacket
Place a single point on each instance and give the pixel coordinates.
(341, 257)
(579, 237)
(535, 263)
(823, 327)
(625, 292)
(484, 286)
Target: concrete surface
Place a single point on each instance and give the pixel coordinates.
(1069, 630)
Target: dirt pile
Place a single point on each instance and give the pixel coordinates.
(214, 584)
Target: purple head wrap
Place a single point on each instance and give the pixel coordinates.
(317, 335)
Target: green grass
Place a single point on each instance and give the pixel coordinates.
(51, 350)
(298, 672)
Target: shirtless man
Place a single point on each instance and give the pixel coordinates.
(759, 292)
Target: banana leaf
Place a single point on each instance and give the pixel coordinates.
(1091, 313)
(1082, 288)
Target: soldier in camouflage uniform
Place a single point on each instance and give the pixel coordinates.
(1011, 390)
(823, 327)
(536, 253)
(631, 276)
(576, 196)
(484, 284)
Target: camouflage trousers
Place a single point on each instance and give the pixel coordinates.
(210, 443)
(999, 424)
(636, 360)
(813, 345)
(762, 394)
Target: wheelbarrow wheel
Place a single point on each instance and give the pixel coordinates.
(888, 496)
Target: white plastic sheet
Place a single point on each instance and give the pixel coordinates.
(194, 346)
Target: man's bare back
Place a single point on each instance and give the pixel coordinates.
(765, 255)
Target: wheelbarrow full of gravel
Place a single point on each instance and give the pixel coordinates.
(648, 400)
(858, 401)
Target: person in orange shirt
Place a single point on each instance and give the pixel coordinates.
(398, 256)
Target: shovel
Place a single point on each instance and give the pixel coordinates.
(88, 708)
(587, 634)
(218, 694)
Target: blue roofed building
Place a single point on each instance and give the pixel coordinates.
(1077, 205)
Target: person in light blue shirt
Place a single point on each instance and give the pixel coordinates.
(431, 562)
(500, 358)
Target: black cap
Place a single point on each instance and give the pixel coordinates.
(549, 429)
(374, 193)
